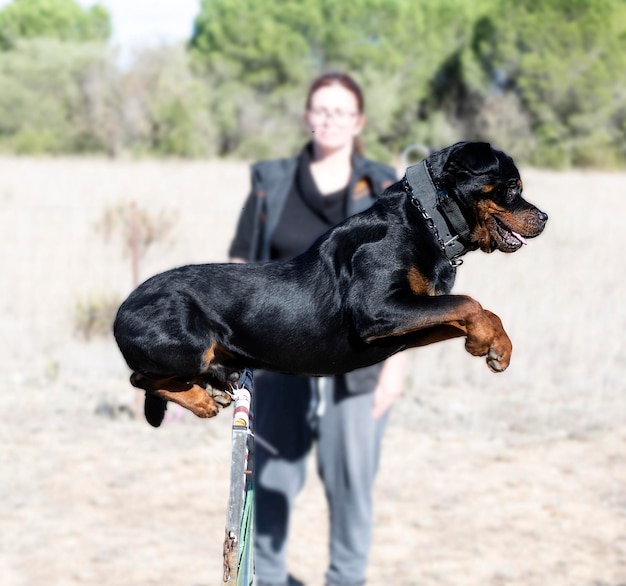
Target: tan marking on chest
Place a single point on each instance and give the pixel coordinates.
(208, 356)
(418, 283)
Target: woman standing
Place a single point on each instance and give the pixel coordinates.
(293, 202)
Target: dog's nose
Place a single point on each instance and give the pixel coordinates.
(542, 216)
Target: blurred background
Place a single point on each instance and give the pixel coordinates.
(224, 78)
(126, 132)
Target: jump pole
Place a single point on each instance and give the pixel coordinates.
(239, 515)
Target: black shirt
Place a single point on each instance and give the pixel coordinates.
(307, 213)
(311, 214)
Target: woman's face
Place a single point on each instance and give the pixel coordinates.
(333, 117)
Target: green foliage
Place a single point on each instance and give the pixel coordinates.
(542, 79)
(41, 97)
(166, 105)
(267, 51)
(51, 51)
(55, 19)
(565, 61)
(58, 97)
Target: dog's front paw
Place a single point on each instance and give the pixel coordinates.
(496, 362)
(486, 337)
(499, 355)
(204, 404)
(207, 409)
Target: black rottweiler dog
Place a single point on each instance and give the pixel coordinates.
(374, 285)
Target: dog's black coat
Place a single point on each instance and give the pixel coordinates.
(374, 285)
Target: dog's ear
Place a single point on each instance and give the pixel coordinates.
(474, 158)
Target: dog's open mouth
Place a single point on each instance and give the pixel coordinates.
(505, 238)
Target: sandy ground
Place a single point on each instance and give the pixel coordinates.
(516, 479)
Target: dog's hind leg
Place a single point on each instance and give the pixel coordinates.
(189, 395)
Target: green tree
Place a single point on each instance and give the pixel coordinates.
(542, 78)
(265, 52)
(564, 61)
(166, 106)
(59, 97)
(42, 100)
(58, 19)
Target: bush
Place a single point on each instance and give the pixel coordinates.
(548, 89)
(63, 20)
(42, 105)
(94, 315)
(166, 107)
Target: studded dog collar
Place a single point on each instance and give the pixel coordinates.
(441, 212)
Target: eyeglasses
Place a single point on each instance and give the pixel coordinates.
(339, 116)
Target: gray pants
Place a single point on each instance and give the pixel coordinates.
(348, 450)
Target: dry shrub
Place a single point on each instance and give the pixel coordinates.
(136, 227)
(94, 315)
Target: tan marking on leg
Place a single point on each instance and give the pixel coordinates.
(196, 399)
(186, 394)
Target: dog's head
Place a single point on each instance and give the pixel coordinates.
(486, 184)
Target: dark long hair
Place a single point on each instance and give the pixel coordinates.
(344, 80)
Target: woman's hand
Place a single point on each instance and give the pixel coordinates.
(390, 384)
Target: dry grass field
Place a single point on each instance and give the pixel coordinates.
(516, 479)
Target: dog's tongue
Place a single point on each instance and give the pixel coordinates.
(519, 237)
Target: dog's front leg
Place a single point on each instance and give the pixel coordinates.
(196, 399)
(425, 320)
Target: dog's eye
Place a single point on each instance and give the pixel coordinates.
(513, 189)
